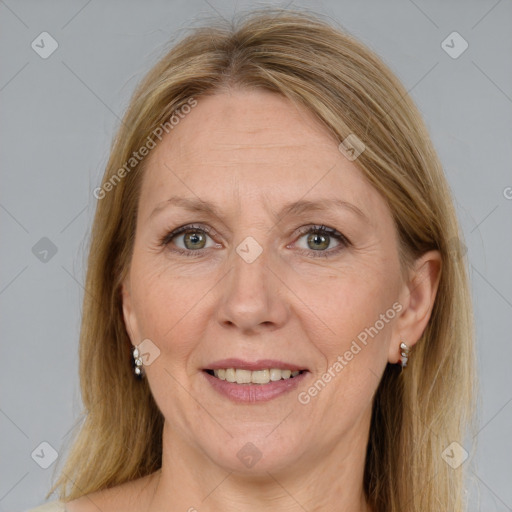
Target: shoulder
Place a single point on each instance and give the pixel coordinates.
(52, 506)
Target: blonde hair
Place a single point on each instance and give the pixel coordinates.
(416, 413)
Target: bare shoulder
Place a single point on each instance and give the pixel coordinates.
(130, 496)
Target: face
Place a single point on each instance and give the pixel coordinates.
(250, 289)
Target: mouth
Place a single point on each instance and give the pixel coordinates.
(261, 377)
(256, 382)
(249, 382)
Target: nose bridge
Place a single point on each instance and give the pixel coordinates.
(250, 295)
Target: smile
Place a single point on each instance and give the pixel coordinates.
(253, 381)
(264, 376)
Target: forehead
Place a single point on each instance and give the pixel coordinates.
(251, 144)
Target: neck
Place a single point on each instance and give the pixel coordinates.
(332, 481)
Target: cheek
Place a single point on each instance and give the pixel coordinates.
(350, 305)
(354, 349)
(357, 314)
(168, 309)
(339, 394)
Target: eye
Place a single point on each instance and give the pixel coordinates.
(192, 238)
(319, 238)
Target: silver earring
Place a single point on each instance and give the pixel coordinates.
(137, 363)
(404, 353)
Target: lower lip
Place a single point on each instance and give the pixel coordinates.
(250, 393)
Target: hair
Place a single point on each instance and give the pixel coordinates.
(416, 413)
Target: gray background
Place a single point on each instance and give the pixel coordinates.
(58, 118)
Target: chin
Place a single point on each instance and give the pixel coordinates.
(256, 455)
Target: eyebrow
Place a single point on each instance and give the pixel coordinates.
(294, 208)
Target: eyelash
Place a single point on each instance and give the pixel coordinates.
(316, 229)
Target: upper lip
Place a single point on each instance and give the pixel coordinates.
(260, 364)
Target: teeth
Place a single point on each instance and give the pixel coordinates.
(243, 376)
(255, 377)
(260, 377)
(275, 374)
(285, 374)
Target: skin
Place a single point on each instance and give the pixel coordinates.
(251, 152)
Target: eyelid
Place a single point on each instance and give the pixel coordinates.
(310, 228)
(343, 241)
(169, 235)
(322, 228)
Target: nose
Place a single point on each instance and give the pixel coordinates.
(253, 297)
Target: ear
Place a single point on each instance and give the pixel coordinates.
(130, 320)
(417, 298)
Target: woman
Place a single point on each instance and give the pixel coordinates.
(276, 314)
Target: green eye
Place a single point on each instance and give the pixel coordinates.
(321, 241)
(196, 239)
(319, 238)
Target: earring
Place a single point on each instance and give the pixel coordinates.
(137, 363)
(404, 353)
